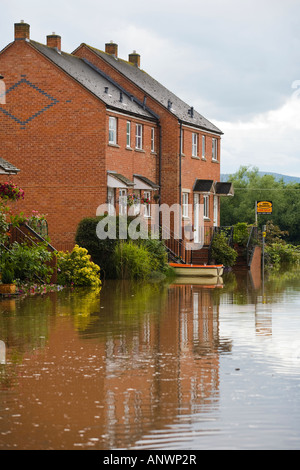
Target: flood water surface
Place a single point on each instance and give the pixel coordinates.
(153, 366)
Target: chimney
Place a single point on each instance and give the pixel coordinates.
(22, 30)
(111, 48)
(54, 40)
(134, 59)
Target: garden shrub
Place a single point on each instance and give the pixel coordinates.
(240, 234)
(221, 252)
(134, 261)
(101, 251)
(282, 253)
(76, 268)
(29, 262)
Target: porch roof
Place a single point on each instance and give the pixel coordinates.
(116, 180)
(224, 189)
(142, 182)
(203, 186)
(7, 168)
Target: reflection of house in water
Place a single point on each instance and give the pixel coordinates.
(2, 352)
(167, 366)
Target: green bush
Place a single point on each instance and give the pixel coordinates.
(134, 261)
(221, 252)
(101, 251)
(76, 268)
(29, 262)
(240, 234)
(282, 253)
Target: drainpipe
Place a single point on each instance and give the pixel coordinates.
(180, 185)
(180, 146)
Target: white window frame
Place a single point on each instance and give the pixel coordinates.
(147, 213)
(128, 134)
(185, 205)
(152, 139)
(194, 144)
(122, 201)
(206, 206)
(112, 130)
(139, 136)
(203, 146)
(214, 149)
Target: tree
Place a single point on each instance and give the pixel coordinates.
(249, 187)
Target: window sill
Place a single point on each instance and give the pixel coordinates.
(204, 159)
(214, 161)
(139, 150)
(129, 148)
(113, 145)
(195, 158)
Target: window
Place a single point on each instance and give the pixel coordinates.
(128, 134)
(214, 149)
(139, 136)
(112, 139)
(147, 195)
(122, 201)
(194, 145)
(206, 207)
(185, 204)
(203, 146)
(152, 139)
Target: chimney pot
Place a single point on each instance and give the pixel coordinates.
(134, 59)
(111, 48)
(54, 40)
(22, 30)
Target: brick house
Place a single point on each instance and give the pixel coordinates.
(88, 128)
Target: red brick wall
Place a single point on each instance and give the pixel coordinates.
(60, 151)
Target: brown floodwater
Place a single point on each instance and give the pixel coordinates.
(153, 366)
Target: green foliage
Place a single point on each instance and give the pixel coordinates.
(280, 253)
(103, 252)
(249, 187)
(133, 261)
(7, 275)
(76, 268)
(29, 262)
(240, 234)
(221, 252)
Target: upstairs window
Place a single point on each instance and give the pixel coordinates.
(203, 146)
(139, 136)
(112, 137)
(214, 149)
(194, 145)
(152, 139)
(128, 134)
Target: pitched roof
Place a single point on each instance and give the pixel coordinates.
(153, 88)
(93, 80)
(7, 168)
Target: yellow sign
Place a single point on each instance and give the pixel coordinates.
(264, 207)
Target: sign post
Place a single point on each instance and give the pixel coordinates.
(263, 207)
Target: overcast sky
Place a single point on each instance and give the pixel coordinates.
(236, 61)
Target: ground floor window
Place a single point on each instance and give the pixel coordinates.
(147, 198)
(206, 206)
(185, 204)
(122, 201)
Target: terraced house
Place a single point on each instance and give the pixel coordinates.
(88, 128)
